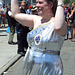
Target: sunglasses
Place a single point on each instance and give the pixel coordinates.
(22, 5)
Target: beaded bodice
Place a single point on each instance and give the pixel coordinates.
(44, 37)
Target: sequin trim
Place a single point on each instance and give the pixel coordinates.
(37, 39)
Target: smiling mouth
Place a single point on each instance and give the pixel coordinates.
(39, 10)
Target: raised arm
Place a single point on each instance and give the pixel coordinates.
(24, 19)
(72, 12)
(60, 24)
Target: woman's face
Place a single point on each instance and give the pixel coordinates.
(23, 5)
(43, 7)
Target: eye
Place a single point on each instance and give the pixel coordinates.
(39, 2)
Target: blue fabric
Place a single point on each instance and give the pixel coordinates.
(8, 30)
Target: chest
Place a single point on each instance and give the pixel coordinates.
(42, 34)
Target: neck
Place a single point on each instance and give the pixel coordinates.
(47, 18)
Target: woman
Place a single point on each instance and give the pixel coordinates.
(46, 38)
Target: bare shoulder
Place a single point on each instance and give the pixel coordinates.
(37, 21)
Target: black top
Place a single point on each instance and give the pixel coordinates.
(22, 11)
(11, 21)
(19, 26)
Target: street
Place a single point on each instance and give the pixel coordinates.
(67, 55)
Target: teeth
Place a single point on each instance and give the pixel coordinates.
(37, 9)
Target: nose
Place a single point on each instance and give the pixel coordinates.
(37, 4)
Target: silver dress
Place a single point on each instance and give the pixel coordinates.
(42, 57)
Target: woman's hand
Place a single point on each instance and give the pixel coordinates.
(60, 25)
(60, 1)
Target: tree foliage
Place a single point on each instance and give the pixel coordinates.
(69, 1)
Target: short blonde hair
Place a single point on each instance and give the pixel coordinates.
(23, 1)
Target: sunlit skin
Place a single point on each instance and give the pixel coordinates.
(46, 14)
(44, 9)
(48, 28)
(23, 5)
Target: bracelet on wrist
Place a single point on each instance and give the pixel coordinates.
(62, 5)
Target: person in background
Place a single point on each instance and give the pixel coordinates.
(22, 33)
(69, 23)
(73, 20)
(34, 10)
(26, 7)
(0, 18)
(11, 24)
(46, 39)
(1, 12)
(29, 11)
(65, 11)
(4, 15)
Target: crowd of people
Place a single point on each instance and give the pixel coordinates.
(70, 19)
(43, 44)
(3, 9)
(69, 11)
(6, 17)
(14, 25)
(2, 15)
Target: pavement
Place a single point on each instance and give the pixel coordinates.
(8, 53)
